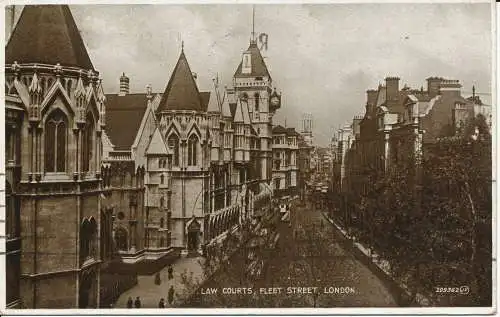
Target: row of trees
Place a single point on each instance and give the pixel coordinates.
(432, 219)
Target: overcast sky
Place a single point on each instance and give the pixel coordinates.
(321, 57)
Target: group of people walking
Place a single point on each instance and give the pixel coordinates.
(161, 304)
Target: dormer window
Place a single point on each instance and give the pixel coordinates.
(246, 67)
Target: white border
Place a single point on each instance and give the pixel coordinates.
(495, 21)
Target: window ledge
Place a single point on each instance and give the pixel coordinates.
(56, 176)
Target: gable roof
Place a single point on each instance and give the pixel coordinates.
(181, 92)
(47, 34)
(123, 118)
(259, 67)
(157, 144)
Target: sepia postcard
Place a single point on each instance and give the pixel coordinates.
(278, 158)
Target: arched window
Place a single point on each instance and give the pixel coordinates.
(173, 144)
(162, 179)
(257, 101)
(192, 150)
(55, 142)
(162, 222)
(162, 202)
(87, 142)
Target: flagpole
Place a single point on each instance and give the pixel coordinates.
(253, 22)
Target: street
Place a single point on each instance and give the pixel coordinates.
(309, 268)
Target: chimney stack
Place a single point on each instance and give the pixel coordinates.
(392, 88)
(433, 84)
(124, 85)
(450, 87)
(371, 100)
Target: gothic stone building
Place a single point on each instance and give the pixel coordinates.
(206, 155)
(54, 106)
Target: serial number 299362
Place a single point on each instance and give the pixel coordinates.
(452, 290)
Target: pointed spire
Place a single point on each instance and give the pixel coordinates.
(35, 85)
(181, 92)
(47, 34)
(213, 103)
(226, 109)
(80, 89)
(238, 115)
(473, 91)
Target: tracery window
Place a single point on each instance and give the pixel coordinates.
(173, 144)
(55, 142)
(192, 150)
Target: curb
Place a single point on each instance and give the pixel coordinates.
(405, 294)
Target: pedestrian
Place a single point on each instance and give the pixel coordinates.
(157, 279)
(130, 303)
(170, 272)
(137, 302)
(161, 304)
(171, 295)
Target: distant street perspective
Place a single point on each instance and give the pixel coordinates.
(248, 156)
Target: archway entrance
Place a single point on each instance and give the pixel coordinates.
(194, 231)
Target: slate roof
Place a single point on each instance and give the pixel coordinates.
(181, 92)
(278, 129)
(123, 118)
(47, 34)
(205, 99)
(259, 67)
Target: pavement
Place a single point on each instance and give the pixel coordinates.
(150, 293)
(381, 263)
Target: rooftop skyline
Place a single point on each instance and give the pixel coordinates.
(322, 58)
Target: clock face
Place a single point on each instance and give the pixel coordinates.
(275, 101)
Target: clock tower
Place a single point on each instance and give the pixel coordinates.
(253, 83)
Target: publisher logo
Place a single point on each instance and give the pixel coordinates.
(464, 290)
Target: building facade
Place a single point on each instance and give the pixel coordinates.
(285, 161)
(54, 105)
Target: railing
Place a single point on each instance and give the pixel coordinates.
(120, 156)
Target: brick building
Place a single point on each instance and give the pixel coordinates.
(285, 163)
(398, 125)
